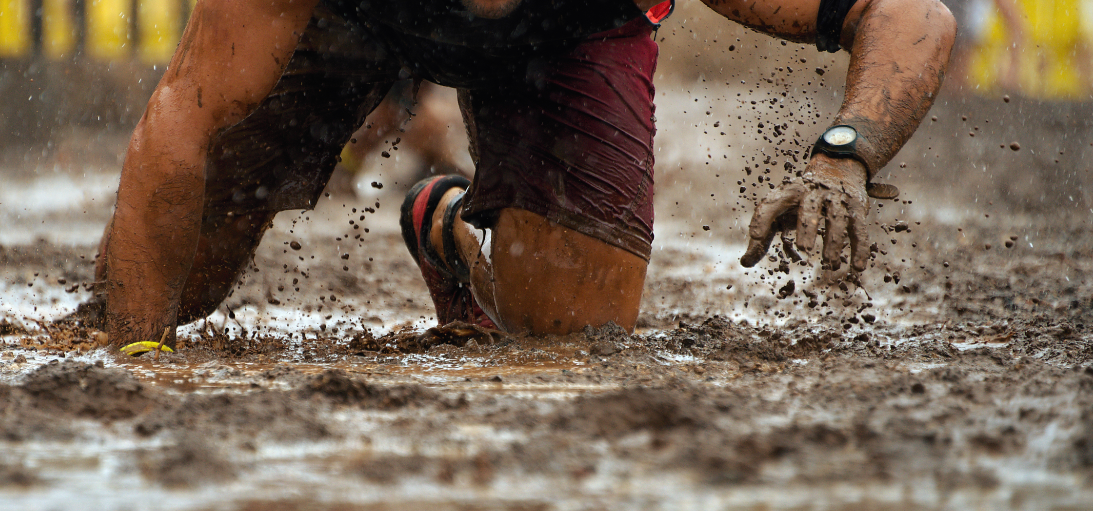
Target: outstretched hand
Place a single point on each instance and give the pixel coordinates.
(833, 190)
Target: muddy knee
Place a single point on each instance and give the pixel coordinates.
(549, 279)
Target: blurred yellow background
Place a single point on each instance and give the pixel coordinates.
(147, 30)
(1040, 50)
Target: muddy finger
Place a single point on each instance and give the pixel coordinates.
(771, 207)
(808, 221)
(835, 234)
(859, 238)
(757, 248)
(787, 247)
(882, 191)
(762, 228)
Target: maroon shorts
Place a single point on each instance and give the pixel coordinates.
(571, 140)
(576, 144)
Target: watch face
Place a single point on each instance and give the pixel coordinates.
(840, 136)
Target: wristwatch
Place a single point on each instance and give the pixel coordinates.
(840, 141)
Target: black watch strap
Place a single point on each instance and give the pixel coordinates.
(842, 141)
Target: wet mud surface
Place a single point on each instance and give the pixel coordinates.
(966, 382)
(957, 373)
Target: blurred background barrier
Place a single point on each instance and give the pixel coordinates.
(92, 64)
(147, 30)
(80, 65)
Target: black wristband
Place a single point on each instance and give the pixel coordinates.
(844, 144)
(829, 23)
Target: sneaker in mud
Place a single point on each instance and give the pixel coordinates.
(448, 283)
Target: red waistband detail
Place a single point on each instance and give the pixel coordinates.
(660, 11)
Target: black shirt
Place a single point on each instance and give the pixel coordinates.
(440, 41)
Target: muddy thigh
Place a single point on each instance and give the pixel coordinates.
(552, 279)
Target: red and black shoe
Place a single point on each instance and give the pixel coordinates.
(449, 284)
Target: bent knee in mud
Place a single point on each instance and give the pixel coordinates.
(549, 279)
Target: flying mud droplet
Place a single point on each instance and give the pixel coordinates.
(1006, 98)
(377, 185)
(787, 290)
(1015, 146)
(295, 245)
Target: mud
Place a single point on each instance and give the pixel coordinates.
(893, 417)
(955, 373)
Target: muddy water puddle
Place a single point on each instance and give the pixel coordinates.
(468, 375)
(348, 474)
(801, 431)
(312, 484)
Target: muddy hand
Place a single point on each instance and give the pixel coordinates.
(833, 190)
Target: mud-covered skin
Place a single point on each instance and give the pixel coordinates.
(155, 230)
(899, 52)
(886, 98)
(824, 192)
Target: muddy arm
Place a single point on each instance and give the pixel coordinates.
(231, 55)
(899, 50)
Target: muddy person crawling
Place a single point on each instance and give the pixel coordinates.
(554, 231)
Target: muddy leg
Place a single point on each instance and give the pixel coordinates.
(224, 248)
(226, 245)
(549, 279)
(532, 275)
